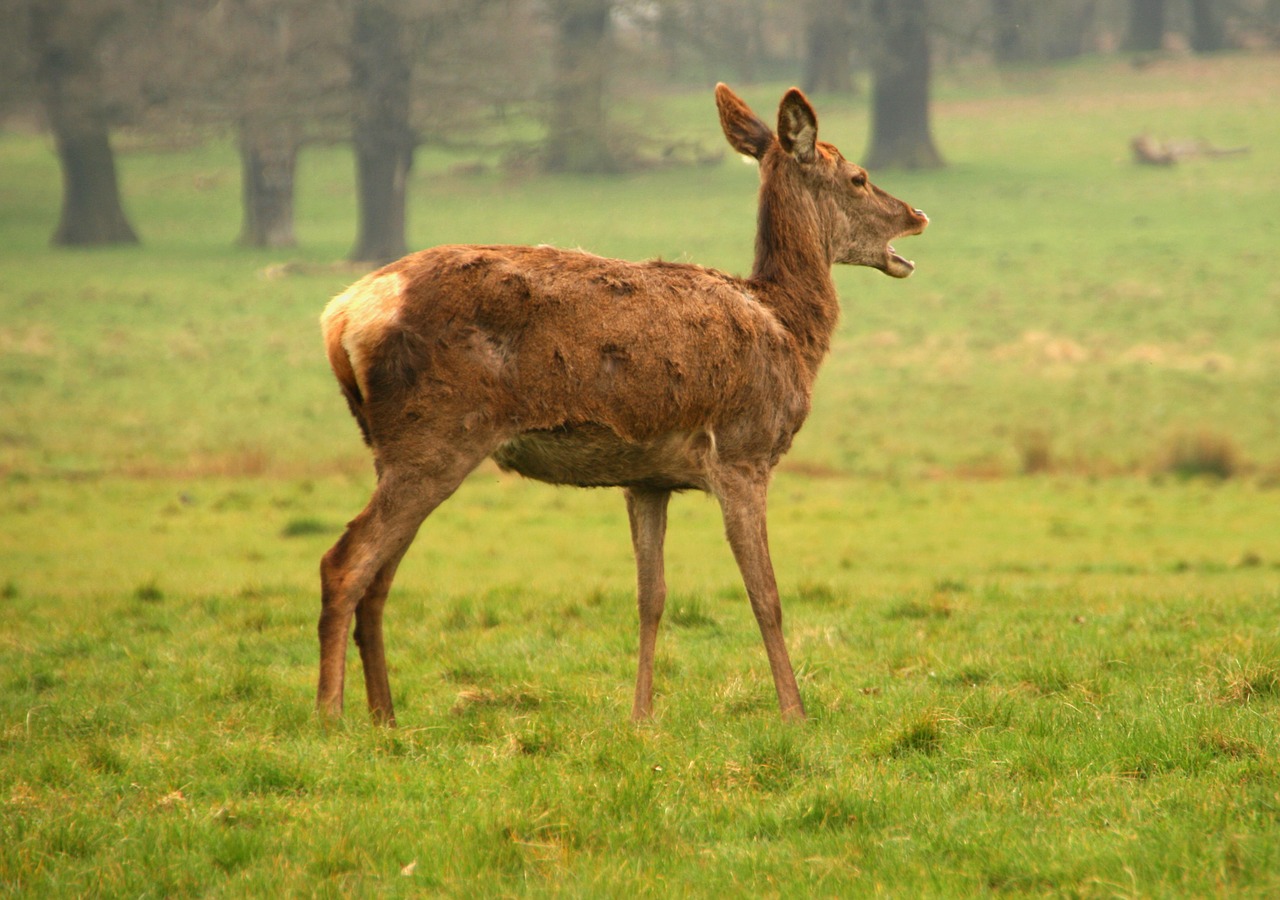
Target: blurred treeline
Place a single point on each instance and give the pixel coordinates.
(391, 75)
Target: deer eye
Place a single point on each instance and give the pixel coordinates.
(859, 179)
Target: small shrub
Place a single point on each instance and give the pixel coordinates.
(820, 592)
(514, 699)
(464, 673)
(1242, 682)
(535, 740)
(921, 734)
(1202, 453)
(1035, 452)
(148, 592)
(459, 616)
(305, 527)
(104, 758)
(689, 613)
(463, 614)
(774, 762)
(1230, 746)
(829, 810)
(937, 607)
(1250, 559)
(1046, 677)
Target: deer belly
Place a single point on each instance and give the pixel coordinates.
(590, 455)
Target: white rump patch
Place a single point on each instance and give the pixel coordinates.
(363, 313)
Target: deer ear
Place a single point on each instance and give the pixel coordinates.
(798, 126)
(746, 132)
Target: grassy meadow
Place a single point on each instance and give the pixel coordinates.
(1028, 542)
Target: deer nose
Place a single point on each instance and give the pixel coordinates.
(921, 214)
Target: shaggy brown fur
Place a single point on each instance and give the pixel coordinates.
(575, 369)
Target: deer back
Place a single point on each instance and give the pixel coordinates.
(538, 339)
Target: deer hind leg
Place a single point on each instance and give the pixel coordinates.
(356, 574)
(742, 499)
(368, 635)
(647, 512)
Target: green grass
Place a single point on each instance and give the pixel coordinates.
(1064, 683)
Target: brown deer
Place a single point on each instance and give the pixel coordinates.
(573, 369)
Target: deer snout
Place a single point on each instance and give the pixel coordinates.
(919, 221)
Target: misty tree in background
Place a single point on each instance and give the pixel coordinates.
(288, 66)
(1207, 31)
(830, 26)
(1146, 26)
(900, 70)
(577, 126)
(722, 40)
(392, 75)
(381, 60)
(419, 72)
(15, 61)
(1208, 28)
(1033, 31)
(274, 70)
(65, 39)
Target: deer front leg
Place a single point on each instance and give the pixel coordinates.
(742, 499)
(647, 512)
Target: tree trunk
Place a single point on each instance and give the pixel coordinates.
(383, 139)
(829, 46)
(672, 33)
(578, 139)
(1146, 26)
(70, 81)
(900, 132)
(1208, 32)
(1012, 43)
(1027, 30)
(268, 158)
(1070, 27)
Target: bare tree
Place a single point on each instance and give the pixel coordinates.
(578, 134)
(1027, 30)
(282, 66)
(1146, 26)
(900, 132)
(743, 37)
(272, 69)
(16, 78)
(268, 162)
(381, 73)
(829, 41)
(415, 77)
(1208, 28)
(65, 39)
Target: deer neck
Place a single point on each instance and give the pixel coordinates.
(792, 271)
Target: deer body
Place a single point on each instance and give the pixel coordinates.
(597, 372)
(574, 369)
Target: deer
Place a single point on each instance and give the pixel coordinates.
(569, 368)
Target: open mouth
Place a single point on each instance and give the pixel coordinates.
(897, 265)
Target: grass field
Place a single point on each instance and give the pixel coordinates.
(1028, 543)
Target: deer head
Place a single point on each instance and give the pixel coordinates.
(830, 199)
